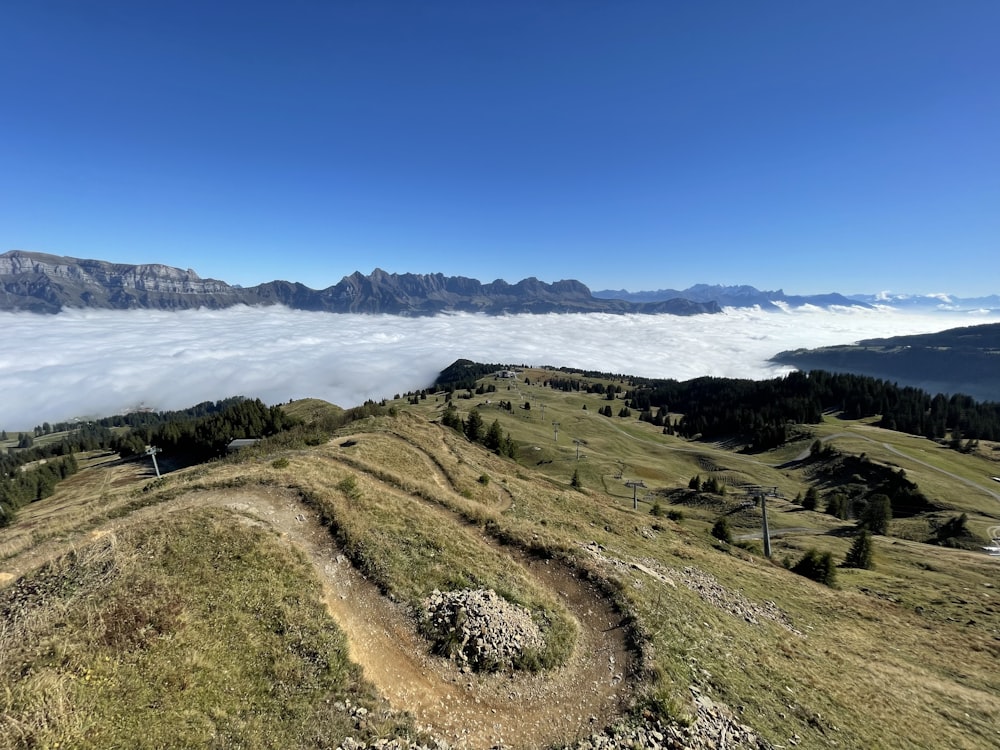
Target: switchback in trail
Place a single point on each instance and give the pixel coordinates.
(467, 710)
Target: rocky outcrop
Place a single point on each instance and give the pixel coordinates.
(479, 629)
(141, 278)
(37, 282)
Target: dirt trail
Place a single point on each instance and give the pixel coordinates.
(467, 710)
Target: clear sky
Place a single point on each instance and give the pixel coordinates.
(814, 146)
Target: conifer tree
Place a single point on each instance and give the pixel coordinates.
(474, 426)
(809, 501)
(877, 514)
(860, 554)
(817, 566)
(721, 531)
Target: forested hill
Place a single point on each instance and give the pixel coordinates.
(762, 414)
(41, 283)
(959, 360)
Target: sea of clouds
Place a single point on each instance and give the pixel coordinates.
(97, 362)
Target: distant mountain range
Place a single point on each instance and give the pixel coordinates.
(41, 283)
(930, 302)
(748, 296)
(735, 296)
(959, 360)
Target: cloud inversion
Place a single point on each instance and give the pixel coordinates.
(97, 362)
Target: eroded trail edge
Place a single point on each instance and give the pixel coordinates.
(466, 710)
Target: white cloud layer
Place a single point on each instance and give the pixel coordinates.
(98, 362)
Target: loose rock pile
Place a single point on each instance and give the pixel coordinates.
(479, 629)
(703, 584)
(395, 743)
(714, 728)
(713, 592)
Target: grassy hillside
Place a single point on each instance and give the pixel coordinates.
(230, 604)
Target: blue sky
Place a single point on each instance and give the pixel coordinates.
(850, 146)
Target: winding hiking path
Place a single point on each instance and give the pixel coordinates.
(468, 710)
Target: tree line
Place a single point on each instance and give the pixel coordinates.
(474, 428)
(195, 434)
(205, 437)
(760, 411)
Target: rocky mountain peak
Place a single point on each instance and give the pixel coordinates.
(38, 282)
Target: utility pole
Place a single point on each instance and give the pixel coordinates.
(151, 452)
(555, 426)
(766, 535)
(634, 483)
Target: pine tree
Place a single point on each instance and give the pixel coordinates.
(721, 531)
(494, 436)
(877, 514)
(838, 505)
(860, 554)
(818, 567)
(509, 447)
(451, 419)
(809, 502)
(474, 426)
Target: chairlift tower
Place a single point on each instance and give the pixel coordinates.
(765, 534)
(578, 444)
(151, 451)
(555, 427)
(635, 483)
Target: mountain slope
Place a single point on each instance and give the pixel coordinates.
(190, 610)
(211, 606)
